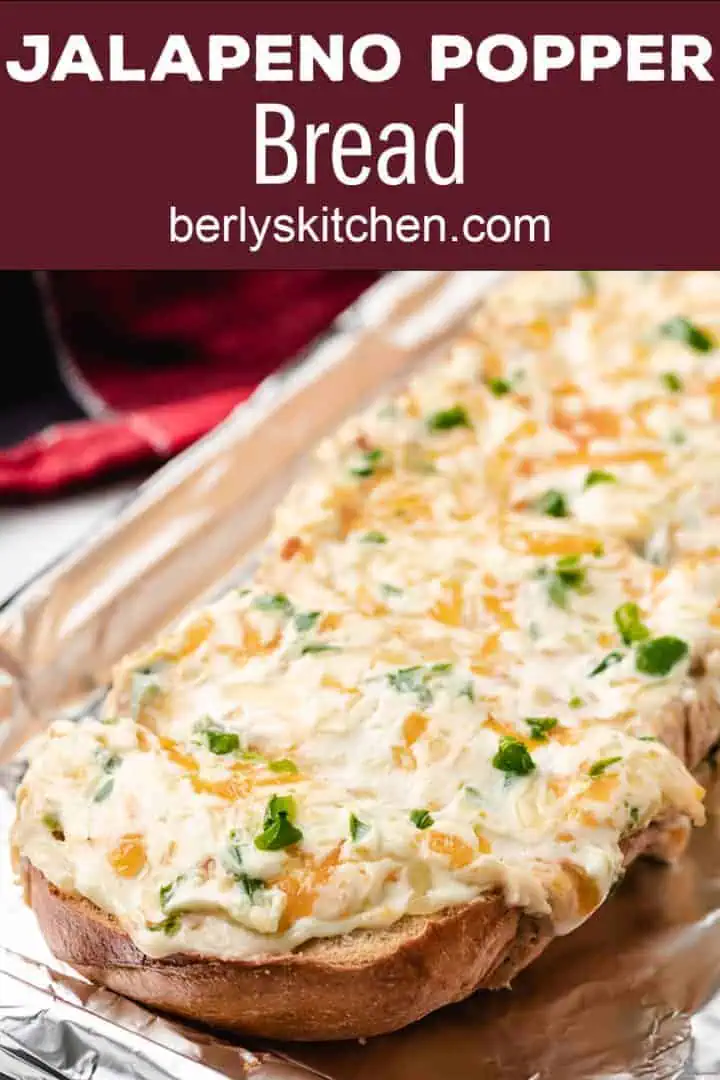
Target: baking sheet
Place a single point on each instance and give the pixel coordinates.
(634, 993)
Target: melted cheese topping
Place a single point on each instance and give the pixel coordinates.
(555, 383)
(433, 689)
(531, 628)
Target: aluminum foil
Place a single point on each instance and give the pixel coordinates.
(634, 993)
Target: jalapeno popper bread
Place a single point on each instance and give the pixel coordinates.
(431, 734)
(589, 395)
(589, 401)
(300, 824)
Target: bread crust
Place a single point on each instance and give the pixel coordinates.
(691, 729)
(365, 983)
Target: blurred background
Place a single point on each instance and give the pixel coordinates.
(107, 374)
(32, 393)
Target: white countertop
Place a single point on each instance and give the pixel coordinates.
(33, 536)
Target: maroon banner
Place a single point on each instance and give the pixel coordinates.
(359, 135)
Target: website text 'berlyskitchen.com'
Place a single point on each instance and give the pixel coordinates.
(332, 225)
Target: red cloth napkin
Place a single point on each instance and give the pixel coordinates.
(157, 359)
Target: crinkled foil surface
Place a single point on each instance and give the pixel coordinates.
(634, 993)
